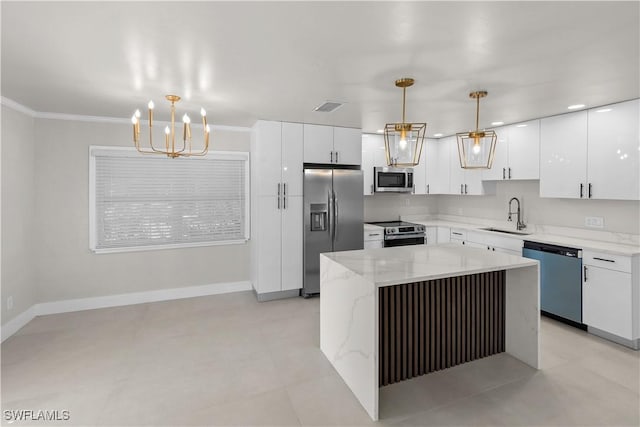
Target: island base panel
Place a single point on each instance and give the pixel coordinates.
(432, 325)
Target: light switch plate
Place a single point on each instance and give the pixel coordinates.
(594, 221)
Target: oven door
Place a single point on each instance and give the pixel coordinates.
(404, 240)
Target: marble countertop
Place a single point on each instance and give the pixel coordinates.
(543, 237)
(405, 264)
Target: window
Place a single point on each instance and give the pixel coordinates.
(142, 202)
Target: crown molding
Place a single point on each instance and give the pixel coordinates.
(97, 119)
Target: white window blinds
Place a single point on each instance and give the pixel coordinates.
(140, 202)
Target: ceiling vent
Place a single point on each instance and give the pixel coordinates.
(328, 107)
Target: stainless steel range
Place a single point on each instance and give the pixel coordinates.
(400, 233)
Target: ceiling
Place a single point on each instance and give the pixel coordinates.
(245, 61)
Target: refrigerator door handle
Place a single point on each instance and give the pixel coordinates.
(335, 216)
(331, 224)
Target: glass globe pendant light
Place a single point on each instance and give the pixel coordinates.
(477, 148)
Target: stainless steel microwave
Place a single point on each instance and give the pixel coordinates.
(395, 180)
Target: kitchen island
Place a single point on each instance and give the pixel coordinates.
(391, 314)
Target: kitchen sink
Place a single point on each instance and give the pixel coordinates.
(497, 230)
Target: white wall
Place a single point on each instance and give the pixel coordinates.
(18, 259)
(65, 268)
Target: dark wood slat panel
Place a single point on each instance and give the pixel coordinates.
(429, 326)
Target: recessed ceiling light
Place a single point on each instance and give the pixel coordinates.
(328, 107)
(575, 106)
(437, 135)
(603, 110)
(497, 123)
(521, 126)
(380, 131)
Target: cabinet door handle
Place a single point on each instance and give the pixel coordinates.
(503, 173)
(461, 189)
(337, 161)
(284, 202)
(465, 189)
(371, 188)
(331, 157)
(284, 189)
(413, 190)
(604, 259)
(463, 242)
(589, 190)
(585, 273)
(278, 195)
(509, 173)
(427, 188)
(581, 190)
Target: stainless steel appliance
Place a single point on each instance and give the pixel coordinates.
(396, 180)
(333, 217)
(560, 280)
(400, 233)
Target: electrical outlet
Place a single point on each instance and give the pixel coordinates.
(9, 303)
(594, 221)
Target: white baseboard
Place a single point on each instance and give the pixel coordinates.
(13, 325)
(80, 304)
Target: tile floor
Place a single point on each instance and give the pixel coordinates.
(229, 360)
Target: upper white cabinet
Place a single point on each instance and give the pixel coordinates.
(517, 153)
(563, 155)
(277, 155)
(347, 145)
(592, 154)
(613, 161)
(373, 155)
(420, 173)
(437, 167)
(462, 181)
(332, 145)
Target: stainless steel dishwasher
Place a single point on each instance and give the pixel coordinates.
(560, 280)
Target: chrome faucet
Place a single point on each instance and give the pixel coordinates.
(520, 225)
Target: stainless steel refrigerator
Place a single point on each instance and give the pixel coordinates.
(333, 217)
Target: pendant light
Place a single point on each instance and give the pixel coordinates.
(477, 148)
(403, 141)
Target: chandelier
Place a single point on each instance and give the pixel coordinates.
(170, 148)
(477, 148)
(403, 141)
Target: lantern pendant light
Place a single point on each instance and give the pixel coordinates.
(477, 148)
(403, 141)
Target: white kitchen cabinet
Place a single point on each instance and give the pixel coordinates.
(607, 302)
(517, 153)
(444, 234)
(437, 165)
(373, 155)
(563, 155)
(462, 181)
(347, 145)
(276, 207)
(613, 161)
(332, 145)
(420, 174)
(592, 154)
(277, 157)
(373, 236)
(496, 242)
(431, 235)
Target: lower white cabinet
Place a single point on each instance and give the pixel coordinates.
(277, 244)
(431, 235)
(444, 234)
(607, 294)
